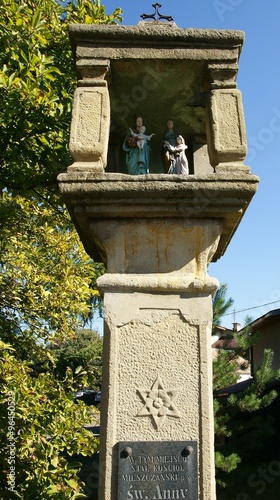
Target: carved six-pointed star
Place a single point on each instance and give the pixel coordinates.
(158, 403)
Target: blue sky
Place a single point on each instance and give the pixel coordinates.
(250, 266)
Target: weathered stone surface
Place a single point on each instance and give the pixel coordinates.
(114, 37)
(227, 134)
(201, 158)
(89, 129)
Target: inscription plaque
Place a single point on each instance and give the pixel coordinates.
(158, 470)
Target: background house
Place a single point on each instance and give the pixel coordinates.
(268, 327)
(224, 338)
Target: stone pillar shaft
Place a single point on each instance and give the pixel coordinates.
(157, 378)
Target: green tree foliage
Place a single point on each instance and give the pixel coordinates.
(225, 365)
(244, 421)
(220, 305)
(46, 277)
(250, 424)
(37, 82)
(225, 368)
(45, 426)
(47, 282)
(85, 352)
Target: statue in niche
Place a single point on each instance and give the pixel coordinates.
(137, 155)
(178, 159)
(141, 137)
(170, 137)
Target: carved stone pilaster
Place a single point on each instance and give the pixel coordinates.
(225, 123)
(226, 133)
(90, 124)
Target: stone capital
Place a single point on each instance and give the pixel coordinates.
(92, 70)
(222, 75)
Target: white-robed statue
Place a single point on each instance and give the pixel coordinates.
(178, 159)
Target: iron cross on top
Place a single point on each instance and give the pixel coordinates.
(156, 13)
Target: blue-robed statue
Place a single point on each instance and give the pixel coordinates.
(137, 148)
(169, 137)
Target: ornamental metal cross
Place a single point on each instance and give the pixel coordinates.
(153, 16)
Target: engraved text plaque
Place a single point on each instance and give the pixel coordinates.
(158, 470)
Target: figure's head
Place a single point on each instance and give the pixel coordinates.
(138, 120)
(142, 129)
(170, 124)
(180, 140)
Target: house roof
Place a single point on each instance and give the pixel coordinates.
(266, 318)
(233, 389)
(241, 386)
(225, 344)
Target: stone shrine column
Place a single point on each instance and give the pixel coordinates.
(156, 234)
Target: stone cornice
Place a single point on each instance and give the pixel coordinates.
(113, 35)
(210, 197)
(133, 42)
(165, 283)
